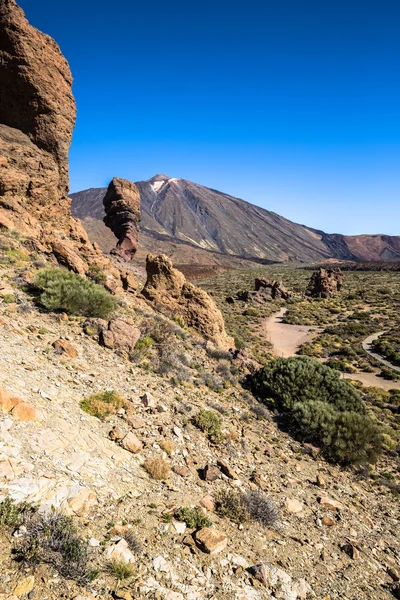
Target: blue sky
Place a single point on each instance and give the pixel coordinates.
(292, 104)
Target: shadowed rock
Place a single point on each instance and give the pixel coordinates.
(325, 283)
(168, 289)
(122, 206)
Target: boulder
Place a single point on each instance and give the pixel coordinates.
(324, 283)
(264, 291)
(211, 540)
(118, 335)
(64, 347)
(122, 207)
(168, 289)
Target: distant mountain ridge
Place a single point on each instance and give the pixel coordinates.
(199, 222)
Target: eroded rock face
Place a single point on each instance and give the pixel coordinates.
(37, 117)
(168, 289)
(325, 283)
(265, 291)
(38, 108)
(122, 206)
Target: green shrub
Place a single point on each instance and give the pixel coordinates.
(321, 408)
(209, 423)
(63, 290)
(103, 404)
(193, 517)
(120, 569)
(11, 515)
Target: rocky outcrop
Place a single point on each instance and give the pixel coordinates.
(37, 117)
(169, 291)
(122, 206)
(38, 109)
(264, 291)
(325, 283)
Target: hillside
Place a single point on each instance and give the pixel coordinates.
(194, 223)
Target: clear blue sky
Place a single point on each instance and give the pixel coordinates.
(291, 104)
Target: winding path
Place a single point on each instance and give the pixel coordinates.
(287, 339)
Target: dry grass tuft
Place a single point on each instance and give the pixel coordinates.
(157, 468)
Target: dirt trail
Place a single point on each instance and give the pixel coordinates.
(367, 343)
(287, 339)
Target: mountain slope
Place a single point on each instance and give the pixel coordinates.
(198, 218)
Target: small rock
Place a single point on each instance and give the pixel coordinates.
(24, 411)
(293, 505)
(211, 473)
(25, 586)
(116, 434)
(329, 503)
(208, 502)
(93, 543)
(181, 470)
(135, 422)
(320, 481)
(179, 526)
(132, 443)
(64, 347)
(227, 470)
(328, 522)
(120, 551)
(211, 540)
(351, 551)
(148, 400)
(313, 451)
(393, 574)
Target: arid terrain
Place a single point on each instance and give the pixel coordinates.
(154, 442)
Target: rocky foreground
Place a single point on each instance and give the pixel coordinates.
(337, 533)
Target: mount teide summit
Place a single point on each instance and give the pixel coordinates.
(199, 224)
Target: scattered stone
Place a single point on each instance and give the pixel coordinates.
(120, 551)
(119, 336)
(320, 481)
(208, 502)
(211, 540)
(227, 470)
(313, 451)
(148, 400)
(211, 473)
(328, 521)
(329, 503)
(25, 586)
(393, 573)
(293, 505)
(351, 551)
(116, 434)
(132, 443)
(179, 526)
(64, 347)
(181, 470)
(24, 411)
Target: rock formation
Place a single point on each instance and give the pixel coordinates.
(168, 289)
(122, 206)
(37, 117)
(264, 291)
(324, 283)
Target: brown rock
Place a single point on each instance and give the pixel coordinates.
(167, 288)
(181, 470)
(64, 347)
(208, 502)
(24, 411)
(119, 336)
(122, 206)
(396, 591)
(325, 283)
(116, 434)
(211, 473)
(320, 481)
(351, 551)
(211, 540)
(393, 573)
(132, 443)
(329, 503)
(148, 400)
(313, 451)
(328, 522)
(80, 504)
(25, 586)
(227, 470)
(134, 421)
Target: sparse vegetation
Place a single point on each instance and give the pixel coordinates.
(210, 423)
(103, 404)
(120, 569)
(158, 468)
(62, 290)
(193, 517)
(240, 507)
(53, 538)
